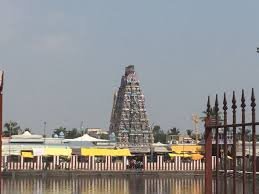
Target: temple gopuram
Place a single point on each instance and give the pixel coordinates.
(129, 120)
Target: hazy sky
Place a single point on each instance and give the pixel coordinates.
(63, 59)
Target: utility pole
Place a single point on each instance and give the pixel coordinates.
(81, 128)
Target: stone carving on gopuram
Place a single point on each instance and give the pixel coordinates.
(129, 118)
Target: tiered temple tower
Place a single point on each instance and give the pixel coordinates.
(129, 119)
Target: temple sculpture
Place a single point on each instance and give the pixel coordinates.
(129, 120)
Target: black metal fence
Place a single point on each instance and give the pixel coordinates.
(227, 156)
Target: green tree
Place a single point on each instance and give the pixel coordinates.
(11, 128)
(173, 131)
(159, 135)
(212, 114)
(156, 129)
(71, 134)
(59, 130)
(189, 132)
(68, 134)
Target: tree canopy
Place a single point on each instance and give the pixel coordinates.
(11, 128)
(189, 132)
(159, 135)
(68, 134)
(173, 131)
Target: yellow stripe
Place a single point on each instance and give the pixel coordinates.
(187, 148)
(104, 152)
(57, 151)
(197, 156)
(180, 155)
(27, 154)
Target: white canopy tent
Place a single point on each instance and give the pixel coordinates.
(26, 135)
(85, 138)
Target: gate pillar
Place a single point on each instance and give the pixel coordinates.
(208, 152)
